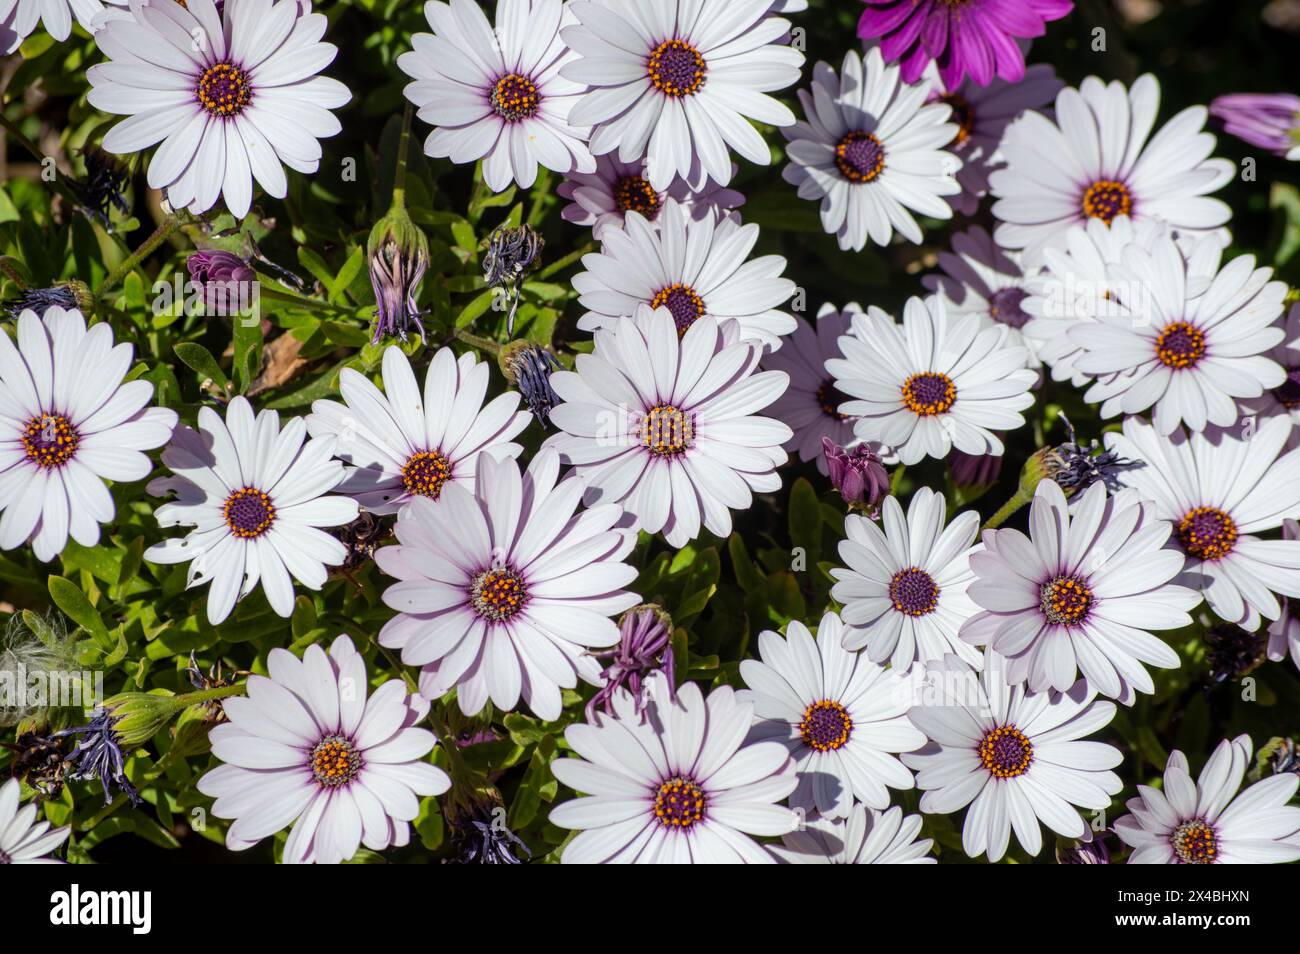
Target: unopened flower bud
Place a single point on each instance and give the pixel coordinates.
(399, 256)
(856, 473)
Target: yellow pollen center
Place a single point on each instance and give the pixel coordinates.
(929, 393)
(335, 761)
(224, 90)
(515, 97)
(50, 440)
(860, 157)
(679, 803)
(1006, 752)
(249, 513)
(635, 194)
(826, 726)
(1207, 533)
(1106, 199)
(667, 431)
(498, 594)
(1195, 843)
(1065, 601)
(425, 473)
(676, 68)
(1180, 345)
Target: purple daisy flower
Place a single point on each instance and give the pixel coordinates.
(1268, 120)
(962, 37)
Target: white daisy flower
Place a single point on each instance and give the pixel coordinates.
(231, 96)
(256, 498)
(871, 150)
(602, 199)
(867, 837)
(497, 93)
(674, 81)
(811, 404)
(1079, 594)
(1219, 488)
(310, 747)
(1075, 285)
(1190, 350)
(668, 426)
(692, 267)
(400, 445)
(1285, 398)
(503, 588)
(67, 424)
(1284, 632)
(981, 115)
(1095, 162)
(18, 19)
(932, 383)
(1016, 757)
(1207, 822)
(24, 840)
(978, 277)
(904, 588)
(675, 785)
(843, 718)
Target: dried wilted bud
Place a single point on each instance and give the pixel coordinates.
(1233, 652)
(102, 187)
(40, 760)
(511, 254)
(67, 295)
(99, 755)
(399, 256)
(482, 837)
(528, 367)
(1075, 467)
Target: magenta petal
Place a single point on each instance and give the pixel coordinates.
(934, 35)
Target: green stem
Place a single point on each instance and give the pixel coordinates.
(1018, 500)
(276, 295)
(562, 263)
(188, 699)
(146, 248)
(399, 172)
(103, 813)
(457, 762)
(397, 666)
(896, 479)
(12, 273)
(483, 344)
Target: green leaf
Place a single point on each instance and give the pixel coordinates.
(806, 520)
(199, 358)
(72, 601)
(247, 348)
(475, 309)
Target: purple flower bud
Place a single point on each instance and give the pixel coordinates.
(1091, 851)
(974, 470)
(856, 473)
(399, 256)
(222, 276)
(644, 647)
(1268, 120)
